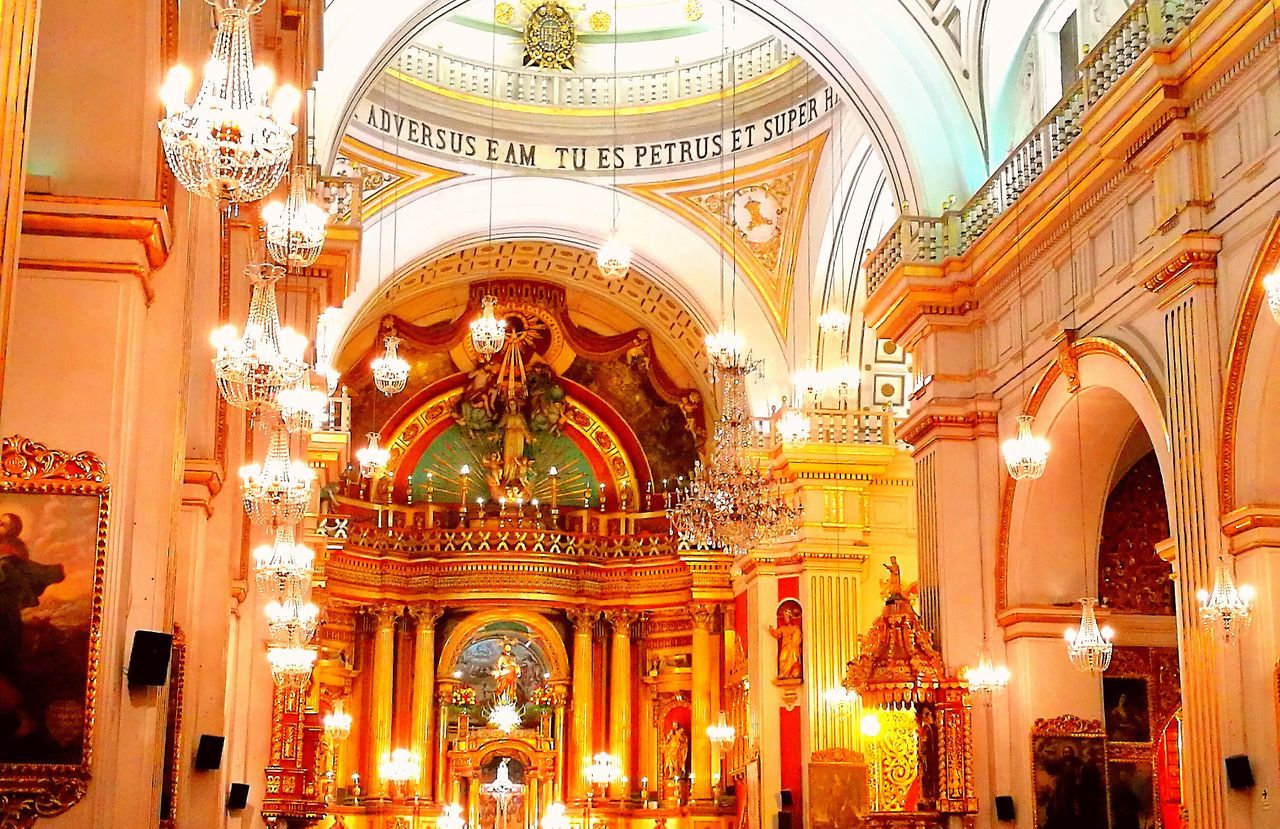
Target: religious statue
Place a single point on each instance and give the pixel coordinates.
(515, 434)
(892, 586)
(505, 792)
(675, 752)
(506, 674)
(790, 642)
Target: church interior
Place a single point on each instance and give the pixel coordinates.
(640, 414)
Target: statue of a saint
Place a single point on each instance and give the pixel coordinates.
(506, 674)
(790, 642)
(893, 585)
(515, 434)
(675, 752)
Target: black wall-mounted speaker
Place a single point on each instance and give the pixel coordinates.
(785, 800)
(1004, 808)
(237, 797)
(1239, 772)
(209, 752)
(784, 820)
(149, 658)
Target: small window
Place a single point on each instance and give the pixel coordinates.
(1069, 51)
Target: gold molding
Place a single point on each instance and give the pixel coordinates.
(407, 176)
(101, 219)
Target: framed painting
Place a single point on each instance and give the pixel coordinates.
(1069, 773)
(1131, 791)
(53, 537)
(1127, 709)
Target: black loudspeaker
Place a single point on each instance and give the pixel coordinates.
(149, 658)
(1239, 772)
(1004, 808)
(237, 797)
(784, 820)
(785, 799)
(209, 752)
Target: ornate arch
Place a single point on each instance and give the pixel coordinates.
(1066, 376)
(1251, 305)
(540, 626)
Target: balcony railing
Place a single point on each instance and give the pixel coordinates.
(585, 91)
(874, 427)
(924, 239)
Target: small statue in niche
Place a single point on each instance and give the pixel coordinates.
(675, 752)
(790, 638)
(506, 674)
(891, 587)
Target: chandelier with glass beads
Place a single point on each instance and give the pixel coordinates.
(1026, 454)
(304, 408)
(730, 502)
(614, 258)
(390, 370)
(1227, 610)
(721, 733)
(295, 227)
(291, 665)
(229, 144)
(725, 346)
(833, 321)
(793, 426)
(277, 491)
(372, 457)
(254, 366)
(291, 620)
(337, 723)
(488, 331)
(1088, 646)
(326, 325)
(283, 568)
(986, 677)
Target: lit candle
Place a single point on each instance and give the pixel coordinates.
(554, 475)
(464, 472)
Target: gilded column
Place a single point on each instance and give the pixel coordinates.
(1187, 299)
(443, 791)
(18, 27)
(700, 711)
(424, 680)
(384, 646)
(620, 682)
(583, 622)
(647, 733)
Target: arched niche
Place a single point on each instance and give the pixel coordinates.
(484, 623)
(1049, 527)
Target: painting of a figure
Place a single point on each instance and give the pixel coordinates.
(48, 561)
(1070, 782)
(1132, 794)
(1125, 701)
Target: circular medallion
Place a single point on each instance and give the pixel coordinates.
(755, 214)
(503, 14)
(693, 10)
(600, 21)
(550, 37)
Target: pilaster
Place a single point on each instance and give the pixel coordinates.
(700, 710)
(620, 684)
(424, 666)
(384, 644)
(584, 620)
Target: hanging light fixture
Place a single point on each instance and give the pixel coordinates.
(1271, 284)
(986, 677)
(291, 665)
(304, 408)
(833, 321)
(488, 331)
(400, 766)
(337, 723)
(793, 426)
(1089, 647)
(253, 367)
(295, 227)
(614, 258)
(725, 347)
(326, 330)
(841, 698)
(277, 491)
(291, 620)
(229, 144)
(372, 457)
(390, 370)
(1026, 454)
(283, 568)
(721, 733)
(1227, 611)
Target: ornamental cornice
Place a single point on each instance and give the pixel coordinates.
(949, 426)
(1198, 265)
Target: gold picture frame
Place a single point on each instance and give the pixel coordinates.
(1080, 743)
(47, 734)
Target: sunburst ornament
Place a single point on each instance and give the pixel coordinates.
(550, 37)
(505, 717)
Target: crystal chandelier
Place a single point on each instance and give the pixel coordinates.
(505, 717)
(1228, 609)
(295, 227)
(1089, 648)
(721, 733)
(1026, 454)
(337, 723)
(253, 367)
(809, 382)
(793, 426)
(488, 332)
(833, 321)
(614, 258)
(292, 620)
(986, 677)
(304, 408)
(326, 330)
(725, 347)
(841, 698)
(730, 503)
(372, 457)
(841, 377)
(400, 766)
(291, 665)
(1271, 284)
(283, 568)
(604, 769)
(277, 491)
(229, 144)
(390, 370)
